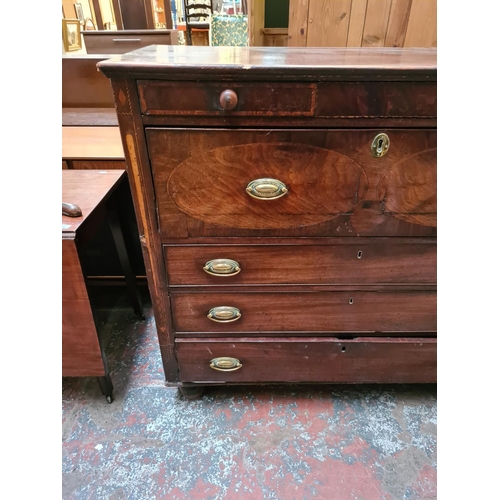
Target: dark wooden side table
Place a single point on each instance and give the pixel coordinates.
(91, 195)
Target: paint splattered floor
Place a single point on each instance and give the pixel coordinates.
(302, 442)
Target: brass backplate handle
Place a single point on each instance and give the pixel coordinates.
(224, 314)
(222, 267)
(225, 364)
(380, 145)
(266, 189)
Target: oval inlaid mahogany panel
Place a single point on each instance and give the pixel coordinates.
(409, 189)
(321, 185)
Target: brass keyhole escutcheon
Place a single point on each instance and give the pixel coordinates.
(380, 145)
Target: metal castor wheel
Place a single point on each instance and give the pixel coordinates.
(191, 393)
(109, 399)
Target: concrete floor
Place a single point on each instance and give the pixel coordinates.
(286, 443)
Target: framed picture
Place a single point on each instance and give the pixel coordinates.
(79, 12)
(89, 25)
(71, 33)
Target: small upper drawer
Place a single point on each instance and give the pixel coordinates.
(282, 99)
(377, 100)
(226, 98)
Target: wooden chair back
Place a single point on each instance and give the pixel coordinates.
(197, 14)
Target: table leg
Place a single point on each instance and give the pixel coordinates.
(116, 231)
(106, 386)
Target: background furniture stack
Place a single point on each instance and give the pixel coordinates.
(91, 141)
(197, 14)
(296, 23)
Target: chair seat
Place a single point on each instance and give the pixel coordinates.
(199, 25)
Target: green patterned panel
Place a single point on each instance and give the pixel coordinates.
(230, 30)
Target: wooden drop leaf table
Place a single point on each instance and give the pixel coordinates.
(90, 200)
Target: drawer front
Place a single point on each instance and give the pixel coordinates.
(377, 99)
(382, 261)
(204, 99)
(377, 313)
(219, 183)
(281, 99)
(309, 360)
(119, 42)
(98, 165)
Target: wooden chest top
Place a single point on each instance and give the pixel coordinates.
(293, 63)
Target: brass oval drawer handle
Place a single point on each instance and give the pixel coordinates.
(228, 100)
(224, 314)
(222, 267)
(225, 364)
(266, 189)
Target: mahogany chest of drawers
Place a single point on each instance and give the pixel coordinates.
(286, 200)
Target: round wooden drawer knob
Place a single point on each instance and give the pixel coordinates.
(71, 210)
(228, 100)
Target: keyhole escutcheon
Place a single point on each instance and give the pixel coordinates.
(380, 145)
